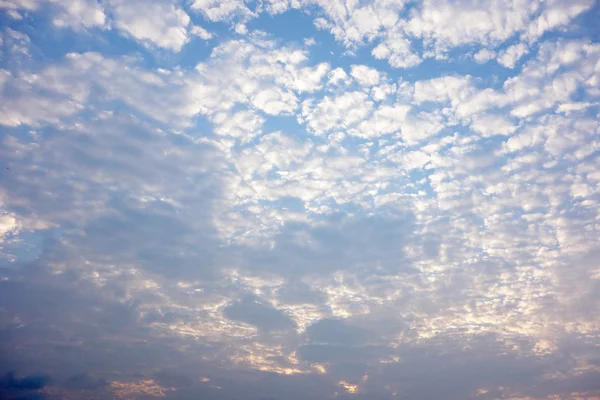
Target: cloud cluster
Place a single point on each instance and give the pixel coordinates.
(268, 221)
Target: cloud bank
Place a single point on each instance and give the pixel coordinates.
(293, 199)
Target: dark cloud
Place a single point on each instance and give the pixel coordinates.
(342, 241)
(251, 310)
(173, 379)
(31, 382)
(85, 381)
(105, 178)
(453, 369)
(300, 293)
(338, 354)
(336, 331)
(25, 388)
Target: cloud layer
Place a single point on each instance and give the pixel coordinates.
(294, 199)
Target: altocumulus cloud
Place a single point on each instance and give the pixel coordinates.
(291, 199)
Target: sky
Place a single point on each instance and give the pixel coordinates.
(299, 199)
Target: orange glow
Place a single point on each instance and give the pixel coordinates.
(131, 390)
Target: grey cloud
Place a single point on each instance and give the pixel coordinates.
(340, 242)
(265, 317)
(32, 382)
(120, 191)
(297, 292)
(456, 368)
(336, 331)
(85, 381)
(339, 354)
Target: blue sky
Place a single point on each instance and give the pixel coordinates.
(291, 199)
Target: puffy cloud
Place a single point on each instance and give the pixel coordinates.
(484, 55)
(238, 73)
(274, 101)
(7, 224)
(332, 112)
(219, 10)
(364, 75)
(139, 21)
(21, 4)
(512, 54)
(80, 13)
(201, 32)
(415, 159)
(397, 50)
(449, 24)
(448, 88)
(441, 24)
(69, 13)
(337, 76)
(353, 22)
(244, 124)
(558, 13)
(539, 87)
(30, 108)
(488, 125)
(61, 89)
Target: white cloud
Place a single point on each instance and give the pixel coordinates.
(16, 44)
(448, 88)
(279, 6)
(449, 24)
(7, 224)
(307, 79)
(310, 41)
(569, 107)
(411, 160)
(512, 54)
(139, 21)
(257, 74)
(29, 106)
(381, 92)
(335, 113)
(241, 29)
(20, 4)
(385, 119)
(244, 125)
(337, 76)
(558, 13)
(442, 24)
(364, 75)
(274, 101)
(222, 10)
(68, 13)
(79, 14)
(397, 50)
(352, 22)
(201, 32)
(538, 87)
(82, 76)
(484, 55)
(489, 125)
